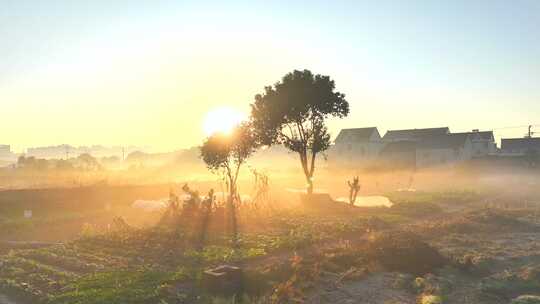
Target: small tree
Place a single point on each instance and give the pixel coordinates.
(293, 113)
(354, 187)
(88, 162)
(226, 153)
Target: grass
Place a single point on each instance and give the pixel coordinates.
(456, 197)
(164, 265)
(137, 287)
(103, 265)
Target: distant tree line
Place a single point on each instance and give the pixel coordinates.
(84, 162)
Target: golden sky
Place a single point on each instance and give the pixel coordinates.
(148, 75)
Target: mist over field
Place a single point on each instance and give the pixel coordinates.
(269, 152)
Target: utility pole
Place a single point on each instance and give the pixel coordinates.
(530, 153)
(123, 154)
(529, 133)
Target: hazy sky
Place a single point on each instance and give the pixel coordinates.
(147, 72)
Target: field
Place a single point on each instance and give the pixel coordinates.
(452, 246)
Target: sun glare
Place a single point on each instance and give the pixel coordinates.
(222, 120)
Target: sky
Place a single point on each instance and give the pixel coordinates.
(148, 72)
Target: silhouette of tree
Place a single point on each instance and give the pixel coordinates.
(225, 153)
(21, 161)
(354, 187)
(26, 162)
(293, 113)
(63, 164)
(88, 162)
(136, 156)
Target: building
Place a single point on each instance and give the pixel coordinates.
(410, 147)
(357, 145)
(446, 149)
(483, 142)
(520, 146)
(6, 156)
(400, 153)
(414, 134)
(5, 149)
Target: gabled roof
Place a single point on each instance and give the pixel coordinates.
(520, 143)
(402, 146)
(415, 134)
(448, 141)
(484, 135)
(356, 134)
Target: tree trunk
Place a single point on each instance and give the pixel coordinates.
(309, 173)
(232, 213)
(309, 186)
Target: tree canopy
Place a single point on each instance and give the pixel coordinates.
(227, 152)
(293, 111)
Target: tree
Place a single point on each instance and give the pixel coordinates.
(137, 156)
(225, 153)
(354, 187)
(63, 164)
(293, 113)
(88, 162)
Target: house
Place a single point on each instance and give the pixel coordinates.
(520, 146)
(399, 153)
(411, 147)
(444, 150)
(483, 142)
(414, 134)
(6, 154)
(357, 145)
(4, 149)
(428, 151)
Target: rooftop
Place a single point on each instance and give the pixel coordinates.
(356, 134)
(415, 134)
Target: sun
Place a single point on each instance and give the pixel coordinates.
(222, 119)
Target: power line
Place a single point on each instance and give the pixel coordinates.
(516, 127)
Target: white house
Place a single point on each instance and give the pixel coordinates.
(6, 154)
(483, 142)
(444, 150)
(357, 145)
(411, 147)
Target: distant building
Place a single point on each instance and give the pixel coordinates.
(411, 147)
(483, 142)
(520, 146)
(63, 151)
(48, 152)
(444, 150)
(5, 149)
(357, 145)
(6, 155)
(414, 134)
(400, 153)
